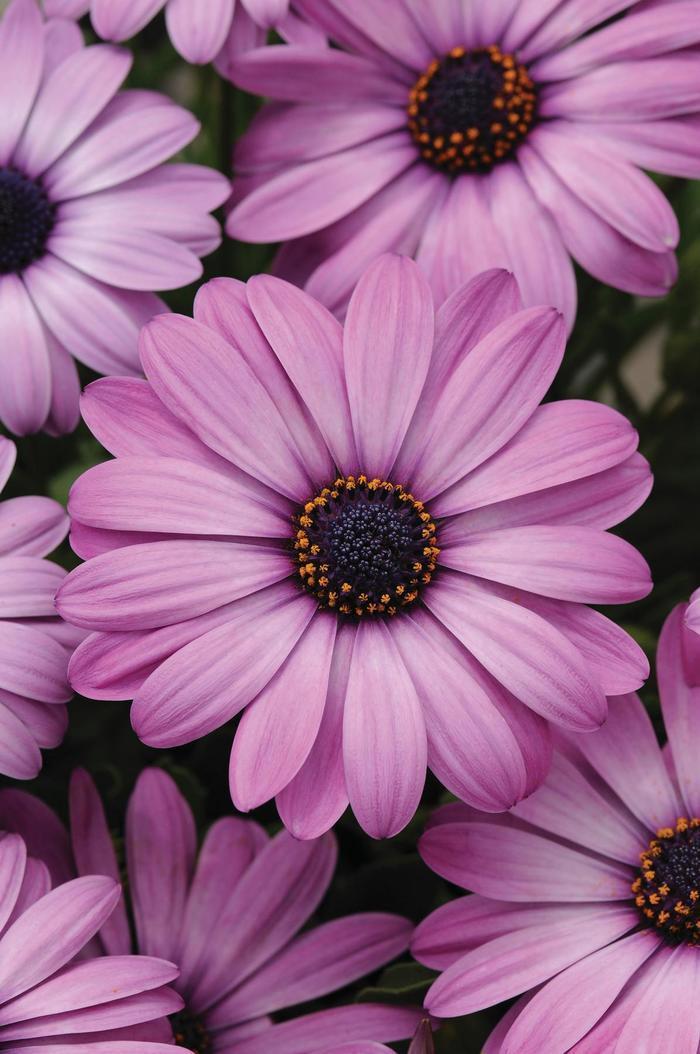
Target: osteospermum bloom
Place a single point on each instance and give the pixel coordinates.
(91, 219)
(473, 134)
(229, 917)
(54, 999)
(374, 535)
(587, 898)
(35, 644)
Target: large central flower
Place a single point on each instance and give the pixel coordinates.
(283, 493)
(365, 547)
(470, 110)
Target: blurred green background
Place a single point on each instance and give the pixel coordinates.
(641, 356)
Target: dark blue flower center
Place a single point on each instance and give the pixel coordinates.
(667, 889)
(26, 220)
(188, 1031)
(365, 547)
(469, 110)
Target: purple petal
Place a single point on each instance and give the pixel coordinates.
(680, 704)
(21, 61)
(68, 102)
(198, 28)
(209, 681)
(323, 190)
(626, 754)
(518, 961)
(384, 747)
(523, 651)
(392, 310)
(25, 394)
(273, 739)
(117, 20)
(310, 804)
(52, 931)
(518, 865)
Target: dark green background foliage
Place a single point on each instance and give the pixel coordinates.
(641, 356)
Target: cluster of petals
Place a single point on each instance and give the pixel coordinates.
(229, 917)
(201, 30)
(330, 166)
(114, 221)
(35, 644)
(191, 585)
(58, 995)
(554, 913)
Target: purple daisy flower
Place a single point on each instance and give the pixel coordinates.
(91, 219)
(474, 134)
(375, 536)
(259, 891)
(54, 1000)
(587, 897)
(35, 644)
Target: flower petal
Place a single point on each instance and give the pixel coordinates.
(25, 394)
(161, 844)
(562, 442)
(310, 804)
(587, 989)
(384, 738)
(512, 964)
(94, 854)
(323, 190)
(273, 739)
(69, 100)
(489, 397)
(278, 893)
(143, 587)
(198, 28)
(207, 383)
(21, 62)
(579, 564)
(173, 496)
(523, 651)
(680, 704)
(308, 342)
(207, 682)
(626, 754)
(387, 346)
(121, 21)
(52, 931)
(518, 865)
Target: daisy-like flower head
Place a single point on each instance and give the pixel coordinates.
(91, 219)
(229, 916)
(35, 644)
(473, 134)
(374, 535)
(587, 897)
(54, 999)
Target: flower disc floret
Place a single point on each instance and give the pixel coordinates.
(667, 889)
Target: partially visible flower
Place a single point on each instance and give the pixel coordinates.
(230, 917)
(35, 644)
(587, 897)
(53, 1000)
(91, 218)
(473, 134)
(199, 29)
(374, 541)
